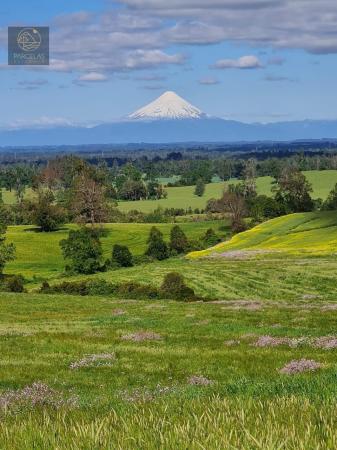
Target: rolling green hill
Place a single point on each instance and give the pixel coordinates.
(314, 232)
(283, 259)
(39, 255)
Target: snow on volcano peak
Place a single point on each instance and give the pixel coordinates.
(168, 106)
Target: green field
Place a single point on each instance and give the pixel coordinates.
(169, 375)
(183, 197)
(145, 394)
(38, 255)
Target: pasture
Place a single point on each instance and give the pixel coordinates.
(183, 197)
(38, 255)
(233, 371)
(126, 375)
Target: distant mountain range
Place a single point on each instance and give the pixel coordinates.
(170, 119)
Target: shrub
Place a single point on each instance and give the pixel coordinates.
(174, 287)
(157, 248)
(15, 283)
(210, 238)
(331, 201)
(134, 290)
(68, 287)
(83, 249)
(178, 240)
(122, 256)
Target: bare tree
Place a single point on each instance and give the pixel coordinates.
(89, 204)
(233, 202)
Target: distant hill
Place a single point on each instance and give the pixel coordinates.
(166, 131)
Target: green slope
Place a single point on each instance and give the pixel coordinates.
(39, 255)
(306, 232)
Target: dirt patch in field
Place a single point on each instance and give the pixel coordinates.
(203, 322)
(118, 312)
(241, 254)
(34, 396)
(232, 342)
(299, 366)
(326, 342)
(142, 336)
(248, 305)
(96, 360)
(329, 307)
(310, 296)
(272, 341)
(199, 380)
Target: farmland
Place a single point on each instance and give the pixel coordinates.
(183, 197)
(94, 371)
(39, 254)
(199, 375)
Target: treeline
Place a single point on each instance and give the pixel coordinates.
(136, 177)
(69, 189)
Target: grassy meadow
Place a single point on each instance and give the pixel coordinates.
(38, 255)
(200, 380)
(100, 372)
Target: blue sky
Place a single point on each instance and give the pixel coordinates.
(248, 60)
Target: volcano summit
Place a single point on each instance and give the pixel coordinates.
(168, 106)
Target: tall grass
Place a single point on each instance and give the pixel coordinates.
(212, 423)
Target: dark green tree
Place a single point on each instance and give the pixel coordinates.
(133, 190)
(210, 238)
(178, 240)
(174, 287)
(331, 201)
(200, 188)
(249, 177)
(46, 214)
(122, 256)
(83, 249)
(157, 247)
(292, 191)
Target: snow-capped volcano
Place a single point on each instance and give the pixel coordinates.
(168, 106)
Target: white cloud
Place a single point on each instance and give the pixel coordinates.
(139, 33)
(40, 122)
(245, 62)
(310, 25)
(93, 76)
